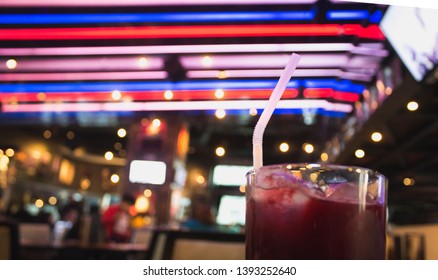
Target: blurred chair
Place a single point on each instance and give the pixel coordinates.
(35, 241)
(196, 245)
(407, 246)
(35, 233)
(142, 236)
(9, 243)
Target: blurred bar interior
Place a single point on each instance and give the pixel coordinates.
(156, 101)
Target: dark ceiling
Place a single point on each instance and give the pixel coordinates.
(408, 150)
(409, 144)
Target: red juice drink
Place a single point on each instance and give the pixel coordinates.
(300, 211)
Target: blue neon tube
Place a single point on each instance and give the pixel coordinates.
(343, 85)
(155, 17)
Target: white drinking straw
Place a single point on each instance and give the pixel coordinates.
(257, 140)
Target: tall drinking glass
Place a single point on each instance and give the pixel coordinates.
(313, 211)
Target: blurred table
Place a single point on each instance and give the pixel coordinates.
(75, 250)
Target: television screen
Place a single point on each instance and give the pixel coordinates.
(231, 210)
(147, 172)
(413, 33)
(230, 175)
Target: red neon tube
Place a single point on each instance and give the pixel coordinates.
(330, 93)
(184, 95)
(212, 31)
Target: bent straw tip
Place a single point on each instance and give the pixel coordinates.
(267, 112)
(294, 59)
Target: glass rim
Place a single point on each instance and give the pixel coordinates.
(327, 166)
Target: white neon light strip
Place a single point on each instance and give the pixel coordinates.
(259, 73)
(217, 61)
(61, 3)
(84, 76)
(176, 106)
(195, 74)
(269, 73)
(375, 49)
(279, 61)
(370, 51)
(85, 64)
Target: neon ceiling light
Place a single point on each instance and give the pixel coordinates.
(363, 77)
(181, 95)
(330, 93)
(343, 85)
(57, 3)
(259, 73)
(84, 76)
(185, 17)
(376, 49)
(83, 118)
(318, 111)
(278, 61)
(175, 106)
(86, 64)
(225, 62)
(370, 51)
(375, 17)
(141, 86)
(88, 118)
(155, 17)
(271, 73)
(348, 15)
(196, 74)
(202, 31)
